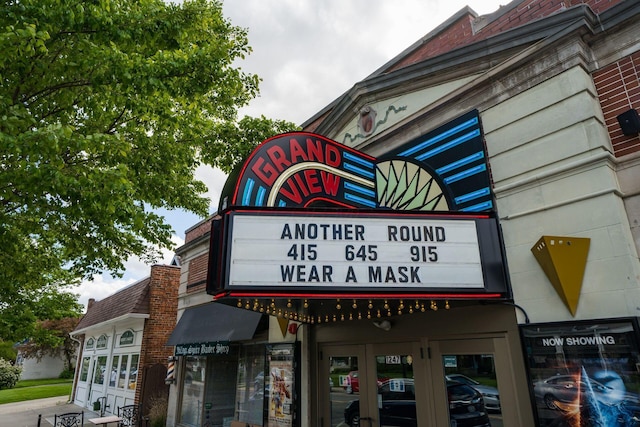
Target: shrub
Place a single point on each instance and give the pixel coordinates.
(158, 411)
(66, 374)
(9, 374)
(7, 351)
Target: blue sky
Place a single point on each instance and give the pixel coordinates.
(307, 53)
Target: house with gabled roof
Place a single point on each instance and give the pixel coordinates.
(123, 356)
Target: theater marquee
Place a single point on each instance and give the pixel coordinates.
(306, 224)
(270, 250)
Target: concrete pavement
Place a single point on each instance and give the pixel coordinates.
(25, 414)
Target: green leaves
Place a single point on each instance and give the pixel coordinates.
(106, 110)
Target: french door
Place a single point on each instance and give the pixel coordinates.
(451, 383)
(372, 385)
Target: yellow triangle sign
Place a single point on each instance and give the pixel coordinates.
(284, 323)
(563, 259)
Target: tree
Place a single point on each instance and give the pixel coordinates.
(51, 338)
(106, 110)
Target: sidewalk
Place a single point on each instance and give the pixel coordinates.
(25, 414)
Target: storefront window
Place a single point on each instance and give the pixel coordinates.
(100, 368)
(133, 371)
(192, 391)
(251, 387)
(84, 371)
(220, 388)
(123, 371)
(584, 373)
(113, 375)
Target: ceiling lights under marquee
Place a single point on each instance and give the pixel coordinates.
(318, 308)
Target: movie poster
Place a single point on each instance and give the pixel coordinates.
(584, 374)
(281, 389)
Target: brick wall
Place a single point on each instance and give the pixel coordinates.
(163, 307)
(198, 230)
(460, 33)
(197, 276)
(618, 87)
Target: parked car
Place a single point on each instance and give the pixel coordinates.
(489, 394)
(563, 391)
(398, 405)
(353, 382)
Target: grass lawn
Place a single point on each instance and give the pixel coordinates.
(36, 389)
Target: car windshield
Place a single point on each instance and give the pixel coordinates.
(465, 380)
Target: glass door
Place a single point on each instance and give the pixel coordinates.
(395, 368)
(370, 385)
(343, 367)
(474, 383)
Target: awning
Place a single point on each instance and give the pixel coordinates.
(214, 322)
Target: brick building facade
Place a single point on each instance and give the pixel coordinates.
(126, 334)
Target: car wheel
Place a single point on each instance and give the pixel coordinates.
(355, 420)
(550, 401)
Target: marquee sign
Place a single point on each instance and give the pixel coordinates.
(307, 219)
(347, 251)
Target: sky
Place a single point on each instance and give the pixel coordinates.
(307, 53)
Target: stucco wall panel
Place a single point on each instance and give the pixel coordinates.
(539, 97)
(610, 283)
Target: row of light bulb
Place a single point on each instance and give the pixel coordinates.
(272, 310)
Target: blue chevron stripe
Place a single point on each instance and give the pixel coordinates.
(473, 195)
(459, 163)
(359, 171)
(444, 147)
(246, 195)
(465, 174)
(440, 137)
(358, 199)
(359, 160)
(359, 189)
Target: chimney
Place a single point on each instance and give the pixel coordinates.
(90, 303)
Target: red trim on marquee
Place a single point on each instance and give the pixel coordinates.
(320, 295)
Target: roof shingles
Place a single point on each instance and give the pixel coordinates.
(133, 299)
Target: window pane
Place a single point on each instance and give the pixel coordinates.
(250, 389)
(127, 338)
(114, 371)
(192, 391)
(98, 373)
(472, 389)
(220, 393)
(344, 380)
(396, 390)
(133, 371)
(123, 370)
(102, 342)
(85, 368)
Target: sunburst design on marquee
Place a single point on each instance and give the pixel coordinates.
(403, 185)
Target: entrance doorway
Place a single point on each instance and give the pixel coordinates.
(373, 384)
(453, 383)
